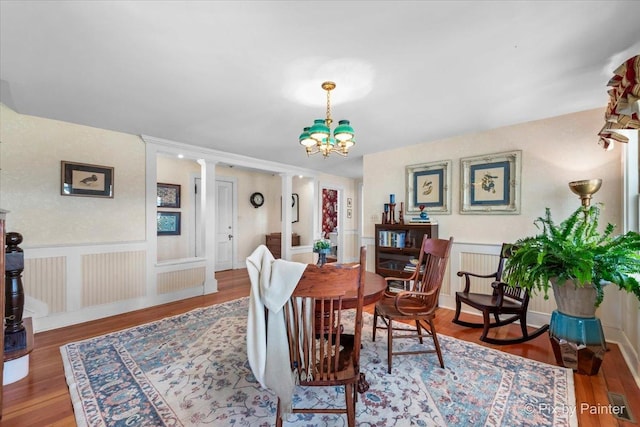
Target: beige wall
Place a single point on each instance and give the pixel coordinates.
(554, 152)
(32, 149)
(254, 223)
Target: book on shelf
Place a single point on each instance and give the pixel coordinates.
(411, 268)
(396, 286)
(418, 220)
(393, 239)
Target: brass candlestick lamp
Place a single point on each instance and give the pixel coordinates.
(585, 189)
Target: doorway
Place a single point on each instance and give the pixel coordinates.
(329, 217)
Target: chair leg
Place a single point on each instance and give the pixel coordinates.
(436, 343)
(278, 415)
(351, 405)
(485, 329)
(419, 328)
(458, 309)
(523, 325)
(375, 324)
(389, 344)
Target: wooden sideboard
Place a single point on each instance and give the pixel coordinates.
(2, 249)
(274, 243)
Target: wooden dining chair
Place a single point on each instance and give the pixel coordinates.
(504, 300)
(418, 304)
(330, 358)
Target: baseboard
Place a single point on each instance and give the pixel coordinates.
(86, 314)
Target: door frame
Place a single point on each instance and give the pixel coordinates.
(324, 185)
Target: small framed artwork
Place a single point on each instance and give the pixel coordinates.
(295, 207)
(427, 185)
(168, 223)
(168, 196)
(81, 179)
(349, 213)
(491, 183)
(349, 202)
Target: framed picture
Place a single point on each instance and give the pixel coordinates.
(168, 196)
(168, 223)
(349, 202)
(295, 207)
(491, 183)
(80, 179)
(427, 185)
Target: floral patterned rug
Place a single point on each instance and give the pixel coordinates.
(192, 369)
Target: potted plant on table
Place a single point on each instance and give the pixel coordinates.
(322, 247)
(577, 261)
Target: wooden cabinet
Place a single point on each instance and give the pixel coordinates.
(396, 244)
(2, 249)
(274, 243)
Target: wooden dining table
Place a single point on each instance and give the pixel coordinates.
(374, 287)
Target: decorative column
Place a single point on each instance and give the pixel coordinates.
(15, 336)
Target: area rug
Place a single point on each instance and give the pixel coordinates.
(192, 370)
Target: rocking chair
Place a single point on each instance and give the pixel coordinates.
(504, 300)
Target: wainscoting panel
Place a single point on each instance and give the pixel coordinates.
(480, 264)
(446, 281)
(172, 281)
(113, 276)
(45, 280)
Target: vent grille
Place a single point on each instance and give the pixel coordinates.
(620, 407)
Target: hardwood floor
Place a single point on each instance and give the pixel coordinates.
(42, 399)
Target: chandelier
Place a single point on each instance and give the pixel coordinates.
(318, 139)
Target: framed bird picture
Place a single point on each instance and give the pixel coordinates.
(81, 179)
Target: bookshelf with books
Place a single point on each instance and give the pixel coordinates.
(398, 244)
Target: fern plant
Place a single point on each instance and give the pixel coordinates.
(575, 250)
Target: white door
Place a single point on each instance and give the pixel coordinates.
(224, 225)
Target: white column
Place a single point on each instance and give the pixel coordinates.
(287, 190)
(208, 215)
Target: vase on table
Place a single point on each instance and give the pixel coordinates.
(322, 256)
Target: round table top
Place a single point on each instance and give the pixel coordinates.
(374, 287)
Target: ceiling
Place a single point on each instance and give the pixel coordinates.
(244, 77)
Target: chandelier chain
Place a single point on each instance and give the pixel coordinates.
(329, 120)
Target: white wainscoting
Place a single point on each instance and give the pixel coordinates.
(65, 285)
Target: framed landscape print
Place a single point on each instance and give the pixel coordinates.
(428, 184)
(168, 196)
(81, 179)
(491, 183)
(168, 223)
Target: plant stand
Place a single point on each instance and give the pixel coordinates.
(575, 332)
(578, 343)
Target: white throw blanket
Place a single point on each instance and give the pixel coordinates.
(272, 283)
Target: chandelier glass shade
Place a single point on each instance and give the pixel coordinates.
(318, 139)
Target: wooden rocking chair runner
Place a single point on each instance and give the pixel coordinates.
(332, 358)
(418, 304)
(504, 300)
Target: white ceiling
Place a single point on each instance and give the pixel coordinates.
(244, 77)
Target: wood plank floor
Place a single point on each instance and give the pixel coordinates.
(42, 399)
